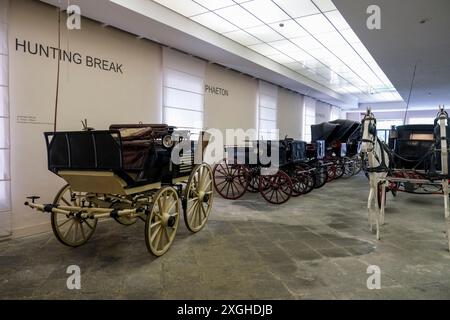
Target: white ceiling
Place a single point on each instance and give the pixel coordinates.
(307, 36)
(298, 56)
(403, 41)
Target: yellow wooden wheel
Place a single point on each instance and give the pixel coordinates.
(71, 230)
(162, 221)
(198, 198)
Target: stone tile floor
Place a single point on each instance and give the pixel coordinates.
(317, 246)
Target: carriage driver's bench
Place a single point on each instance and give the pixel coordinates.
(127, 173)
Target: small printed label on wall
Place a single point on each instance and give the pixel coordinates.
(26, 119)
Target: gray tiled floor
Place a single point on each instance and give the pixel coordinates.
(314, 247)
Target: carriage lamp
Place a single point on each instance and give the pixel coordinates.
(393, 134)
(167, 141)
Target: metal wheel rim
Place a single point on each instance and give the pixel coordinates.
(199, 189)
(159, 234)
(69, 230)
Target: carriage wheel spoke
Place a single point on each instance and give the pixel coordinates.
(89, 225)
(70, 228)
(75, 233)
(82, 232)
(67, 220)
(65, 201)
(203, 210)
(155, 224)
(193, 199)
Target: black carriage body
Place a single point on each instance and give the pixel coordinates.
(417, 147)
(259, 153)
(333, 137)
(138, 160)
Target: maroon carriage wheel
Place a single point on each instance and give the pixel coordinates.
(253, 179)
(276, 188)
(331, 171)
(340, 168)
(230, 180)
(307, 176)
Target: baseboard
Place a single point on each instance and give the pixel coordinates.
(31, 230)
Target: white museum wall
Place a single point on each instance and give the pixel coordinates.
(102, 97)
(290, 114)
(106, 97)
(237, 110)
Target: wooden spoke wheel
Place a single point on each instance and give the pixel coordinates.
(276, 188)
(253, 179)
(71, 230)
(198, 198)
(393, 187)
(349, 168)
(162, 221)
(340, 168)
(358, 164)
(308, 177)
(320, 176)
(230, 180)
(299, 182)
(331, 171)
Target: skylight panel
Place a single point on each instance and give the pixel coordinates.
(307, 43)
(238, 16)
(331, 39)
(300, 56)
(337, 20)
(284, 46)
(214, 22)
(187, 8)
(265, 10)
(316, 24)
(281, 58)
(350, 35)
(289, 29)
(215, 4)
(324, 5)
(297, 8)
(264, 49)
(242, 37)
(264, 33)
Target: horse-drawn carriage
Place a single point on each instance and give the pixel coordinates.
(340, 153)
(418, 163)
(276, 169)
(128, 173)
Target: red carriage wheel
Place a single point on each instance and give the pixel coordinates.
(308, 177)
(253, 179)
(276, 188)
(331, 171)
(230, 180)
(320, 176)
(298, 185)
(340, 168)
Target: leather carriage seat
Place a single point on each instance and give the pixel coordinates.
(130, 132)
(138, 145)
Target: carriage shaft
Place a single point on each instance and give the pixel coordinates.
(84, 212)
